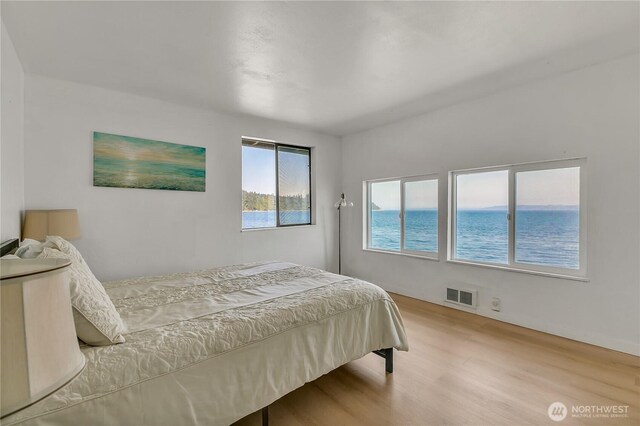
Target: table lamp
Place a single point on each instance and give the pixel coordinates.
(39, 351)
(40, 223)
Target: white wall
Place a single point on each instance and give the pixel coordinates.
(133, 232)
(11, 140)
(591, 113)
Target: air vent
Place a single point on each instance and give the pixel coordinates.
(452, 295)
(462, 297)
(466, 298)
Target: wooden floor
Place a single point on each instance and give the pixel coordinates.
(466, 369)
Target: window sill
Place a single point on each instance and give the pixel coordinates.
(522, 271)
(273, 228)
(399, 253)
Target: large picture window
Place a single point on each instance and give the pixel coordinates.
(276, 184)
(402, 215)
(528, 217)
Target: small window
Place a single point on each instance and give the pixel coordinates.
(276, 185)
(527, 217)
(402, 215)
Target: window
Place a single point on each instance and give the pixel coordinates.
(276, 184)
(527, 217)
(402, 215)
(482, 228)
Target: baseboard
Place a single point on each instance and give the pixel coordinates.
(625, 346)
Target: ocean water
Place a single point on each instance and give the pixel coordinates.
(548, 238)
(267, 219)
(482, 235)
(543, 237)
(421, 230)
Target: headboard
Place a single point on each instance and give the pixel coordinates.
(8, 246)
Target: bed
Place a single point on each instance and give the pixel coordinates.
(213, 346)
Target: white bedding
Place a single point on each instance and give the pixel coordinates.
(213, 346)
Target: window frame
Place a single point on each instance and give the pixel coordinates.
(276, 146)
(433, 255)
(513, 169)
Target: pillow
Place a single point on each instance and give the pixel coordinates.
(30, 249)
(96, 319)
(65, 247)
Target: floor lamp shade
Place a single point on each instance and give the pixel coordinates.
(40, 223)
(39, 352)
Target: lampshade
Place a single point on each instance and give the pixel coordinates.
(39, 351)
(40, 223)
(342, 202)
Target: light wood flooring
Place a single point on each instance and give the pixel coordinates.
(464, 369)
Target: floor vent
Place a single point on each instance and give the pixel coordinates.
(462, 297)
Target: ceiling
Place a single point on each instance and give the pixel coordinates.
(335, 67)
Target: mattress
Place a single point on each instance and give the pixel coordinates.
(213, 346)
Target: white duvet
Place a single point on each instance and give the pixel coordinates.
(212, 346)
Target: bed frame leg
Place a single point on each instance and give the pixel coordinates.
(265, 416)
(388, 360)
(387, 354)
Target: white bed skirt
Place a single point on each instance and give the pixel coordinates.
(262, 372)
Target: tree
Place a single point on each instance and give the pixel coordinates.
(254, 201)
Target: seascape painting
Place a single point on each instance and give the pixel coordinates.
(128, 162)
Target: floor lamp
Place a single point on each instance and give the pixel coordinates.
(342, 202)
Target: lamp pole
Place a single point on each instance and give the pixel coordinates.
(342, 202)
(339, 235)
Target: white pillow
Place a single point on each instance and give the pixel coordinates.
(96, 318)
(65, 247)
(30, 249)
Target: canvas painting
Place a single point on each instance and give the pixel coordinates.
(128, 162)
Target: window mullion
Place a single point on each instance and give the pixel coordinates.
(512, 217)
(368, 214)
(309, 205)
(582, 220)
(402, 199)
(451, 230)
(277, 188)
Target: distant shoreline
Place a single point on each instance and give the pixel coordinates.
(496, 209)
(485, 209)
(272, 211)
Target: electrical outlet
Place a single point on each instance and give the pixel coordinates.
(496, 304)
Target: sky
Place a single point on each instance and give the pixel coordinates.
(419, 194)
(474, 190)
(481, 190)
(386, 195)
(293, 167)
(486, 189)
(539, 187)
(259, 171)
(548, 187)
